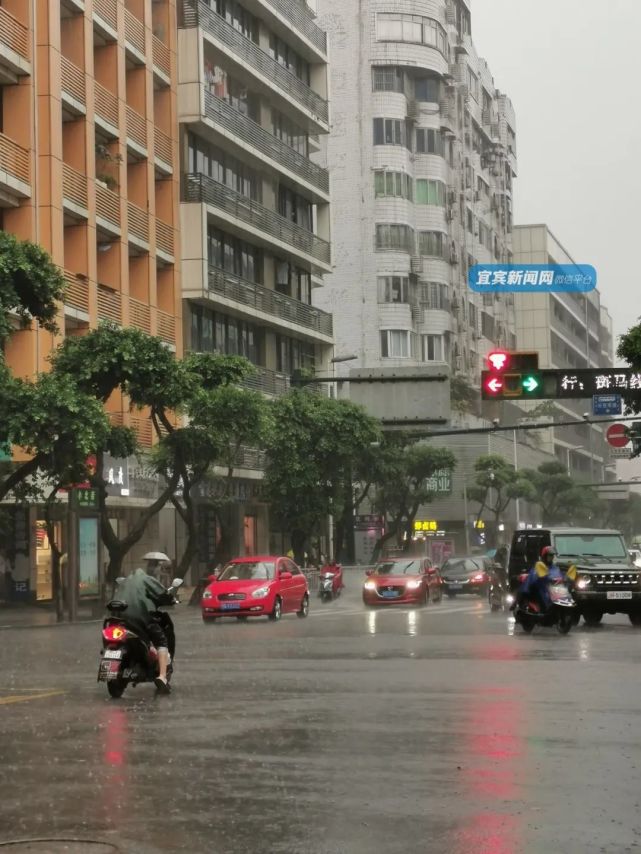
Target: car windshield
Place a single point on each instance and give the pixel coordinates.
(399, 567)
(591, 545)
(460, 565)
(259, 571)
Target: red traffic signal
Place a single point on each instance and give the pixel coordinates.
(498, 360)
(494, 385)
(507, 360)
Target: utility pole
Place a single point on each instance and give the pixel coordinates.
(72, 556)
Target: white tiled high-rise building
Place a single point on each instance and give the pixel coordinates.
(422, 157)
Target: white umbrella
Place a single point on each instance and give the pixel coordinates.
(156, 556)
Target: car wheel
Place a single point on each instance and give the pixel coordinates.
(592, 618)
(277, 611)
(635, 618)
(425, 601)
(304, 607)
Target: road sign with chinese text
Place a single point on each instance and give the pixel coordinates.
(440, 482)
(557, 383)
(85, 499)
(606, 404)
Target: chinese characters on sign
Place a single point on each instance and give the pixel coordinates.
(533, 278)
(86, 498)
(440, 482)
(426, 525)
(553, 384)
(595, 381)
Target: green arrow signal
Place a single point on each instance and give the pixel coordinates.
(530, 384)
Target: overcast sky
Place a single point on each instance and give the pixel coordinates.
(572, 71)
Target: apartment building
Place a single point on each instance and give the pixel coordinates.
(89, 169)
(423, 157)
(569, 330)
(252, 104)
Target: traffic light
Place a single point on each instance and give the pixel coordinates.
(634, 432)
(512, 374)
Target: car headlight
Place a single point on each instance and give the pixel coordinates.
(583, 582)
(509, 599)
(414, 583)
(260, 593)
(370, 585)
(208, 594)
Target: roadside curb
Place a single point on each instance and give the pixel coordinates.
(47, 625)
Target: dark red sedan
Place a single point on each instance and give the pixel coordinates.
(412, 581)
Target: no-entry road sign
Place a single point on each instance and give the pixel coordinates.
(617, 435)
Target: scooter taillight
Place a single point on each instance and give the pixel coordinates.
(114, 633)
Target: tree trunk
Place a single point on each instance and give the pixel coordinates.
(298, 539)
(56, 556)
(339, 540)
(378, 548)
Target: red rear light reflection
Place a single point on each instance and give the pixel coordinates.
(114, 633)
(480, 576)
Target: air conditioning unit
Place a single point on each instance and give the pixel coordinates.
(451, 197)
(449, 214)
(453, 256)
(413, 109)
(416, 264)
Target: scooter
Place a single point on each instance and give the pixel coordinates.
(330, 583)
(562, 610)
(126, 657)
(499, 595)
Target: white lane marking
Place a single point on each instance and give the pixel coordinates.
(432, 612)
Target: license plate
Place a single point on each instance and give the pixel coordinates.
(113, 653)
(390, 594)
(455, 585)
(108, 670)
(230, 606)
(619, 594)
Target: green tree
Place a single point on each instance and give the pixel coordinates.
(221, 418)
(553, 489)
(401, 475)
(314, 455)
(496, 484)
(463, 396)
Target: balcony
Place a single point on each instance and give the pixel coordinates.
(138, 223)
(252, 459)
(163, 152)
(161, 58)
(74, 193)
(15, 173)
(144, 430)
(136, 133)
(269, 72)
(165, 240)
(166, 324)
(109, 305)
(274, 227)
(300, 17)
(267, 381)
(77, 295)
(105, 12)
(106, 110)
(139, 315)
(107, 210)
(14, 49)
(261, 299)
(72, 85)
(264, 145)
(135, 38)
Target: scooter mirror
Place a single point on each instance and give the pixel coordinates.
(177, 582)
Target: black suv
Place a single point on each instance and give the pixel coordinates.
(607, 581)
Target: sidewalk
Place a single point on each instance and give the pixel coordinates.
(37, 616)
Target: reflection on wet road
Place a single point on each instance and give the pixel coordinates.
(441, 730)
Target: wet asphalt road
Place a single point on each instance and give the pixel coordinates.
(351, 732)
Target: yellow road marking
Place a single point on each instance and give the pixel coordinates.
(24, 698)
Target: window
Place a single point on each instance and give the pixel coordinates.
(392, 236)
(473, 83)
(292, 355)
(429, 141)
(238, 17)
(393, 289)
(293, 282)
(470, 221)
(435, 295)
(294, 207)
(430, 192)
(427, 89)
(287, 56)
(219, 82)
(388, 79)
(209, 160)
(234, 255)
(290, 133)
(432, 243)
(214, 332)
(395, 344)
(411, 28)
(397, 184)
(391, 132)
(433, 348)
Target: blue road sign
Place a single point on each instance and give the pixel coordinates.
(606, 404)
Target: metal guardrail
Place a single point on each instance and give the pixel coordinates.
(138, 222)
(108, 205)
(271, 302)
(14, 34)
(136, 127)
(251, 132)
(108, 11)
(164, 237)
(77, 292)
(301, 17)
(163, 147)
(139, 315)
(267, 381)
(73, 80)
(196, 14)
(166, 324)
(14, 159)
(109, 305)
(134, 32)
(161, 56)
(106, 104)
(74, 186)
(202, 188)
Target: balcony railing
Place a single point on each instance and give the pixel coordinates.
(223, 114)
(77, 292)
(134, 32)
(107, 10)
(73, 80)
(106, 104)
(166, 327)
(138, 220)
(161, 56)
(108, 205)
(164, 237)
(139, 315)
(13, 34)
(301, 17)
(267, 381)
(201, 188)
(163, 147)
(14, 159)
(250, 458)
(109, 304)
(74, 186)
(143, 429)
(136, 127)
(196, 14)
(264, 299)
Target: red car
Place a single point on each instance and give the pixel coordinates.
(413, 581)
(256, 586)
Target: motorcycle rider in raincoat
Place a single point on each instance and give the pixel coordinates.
(544, 572)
